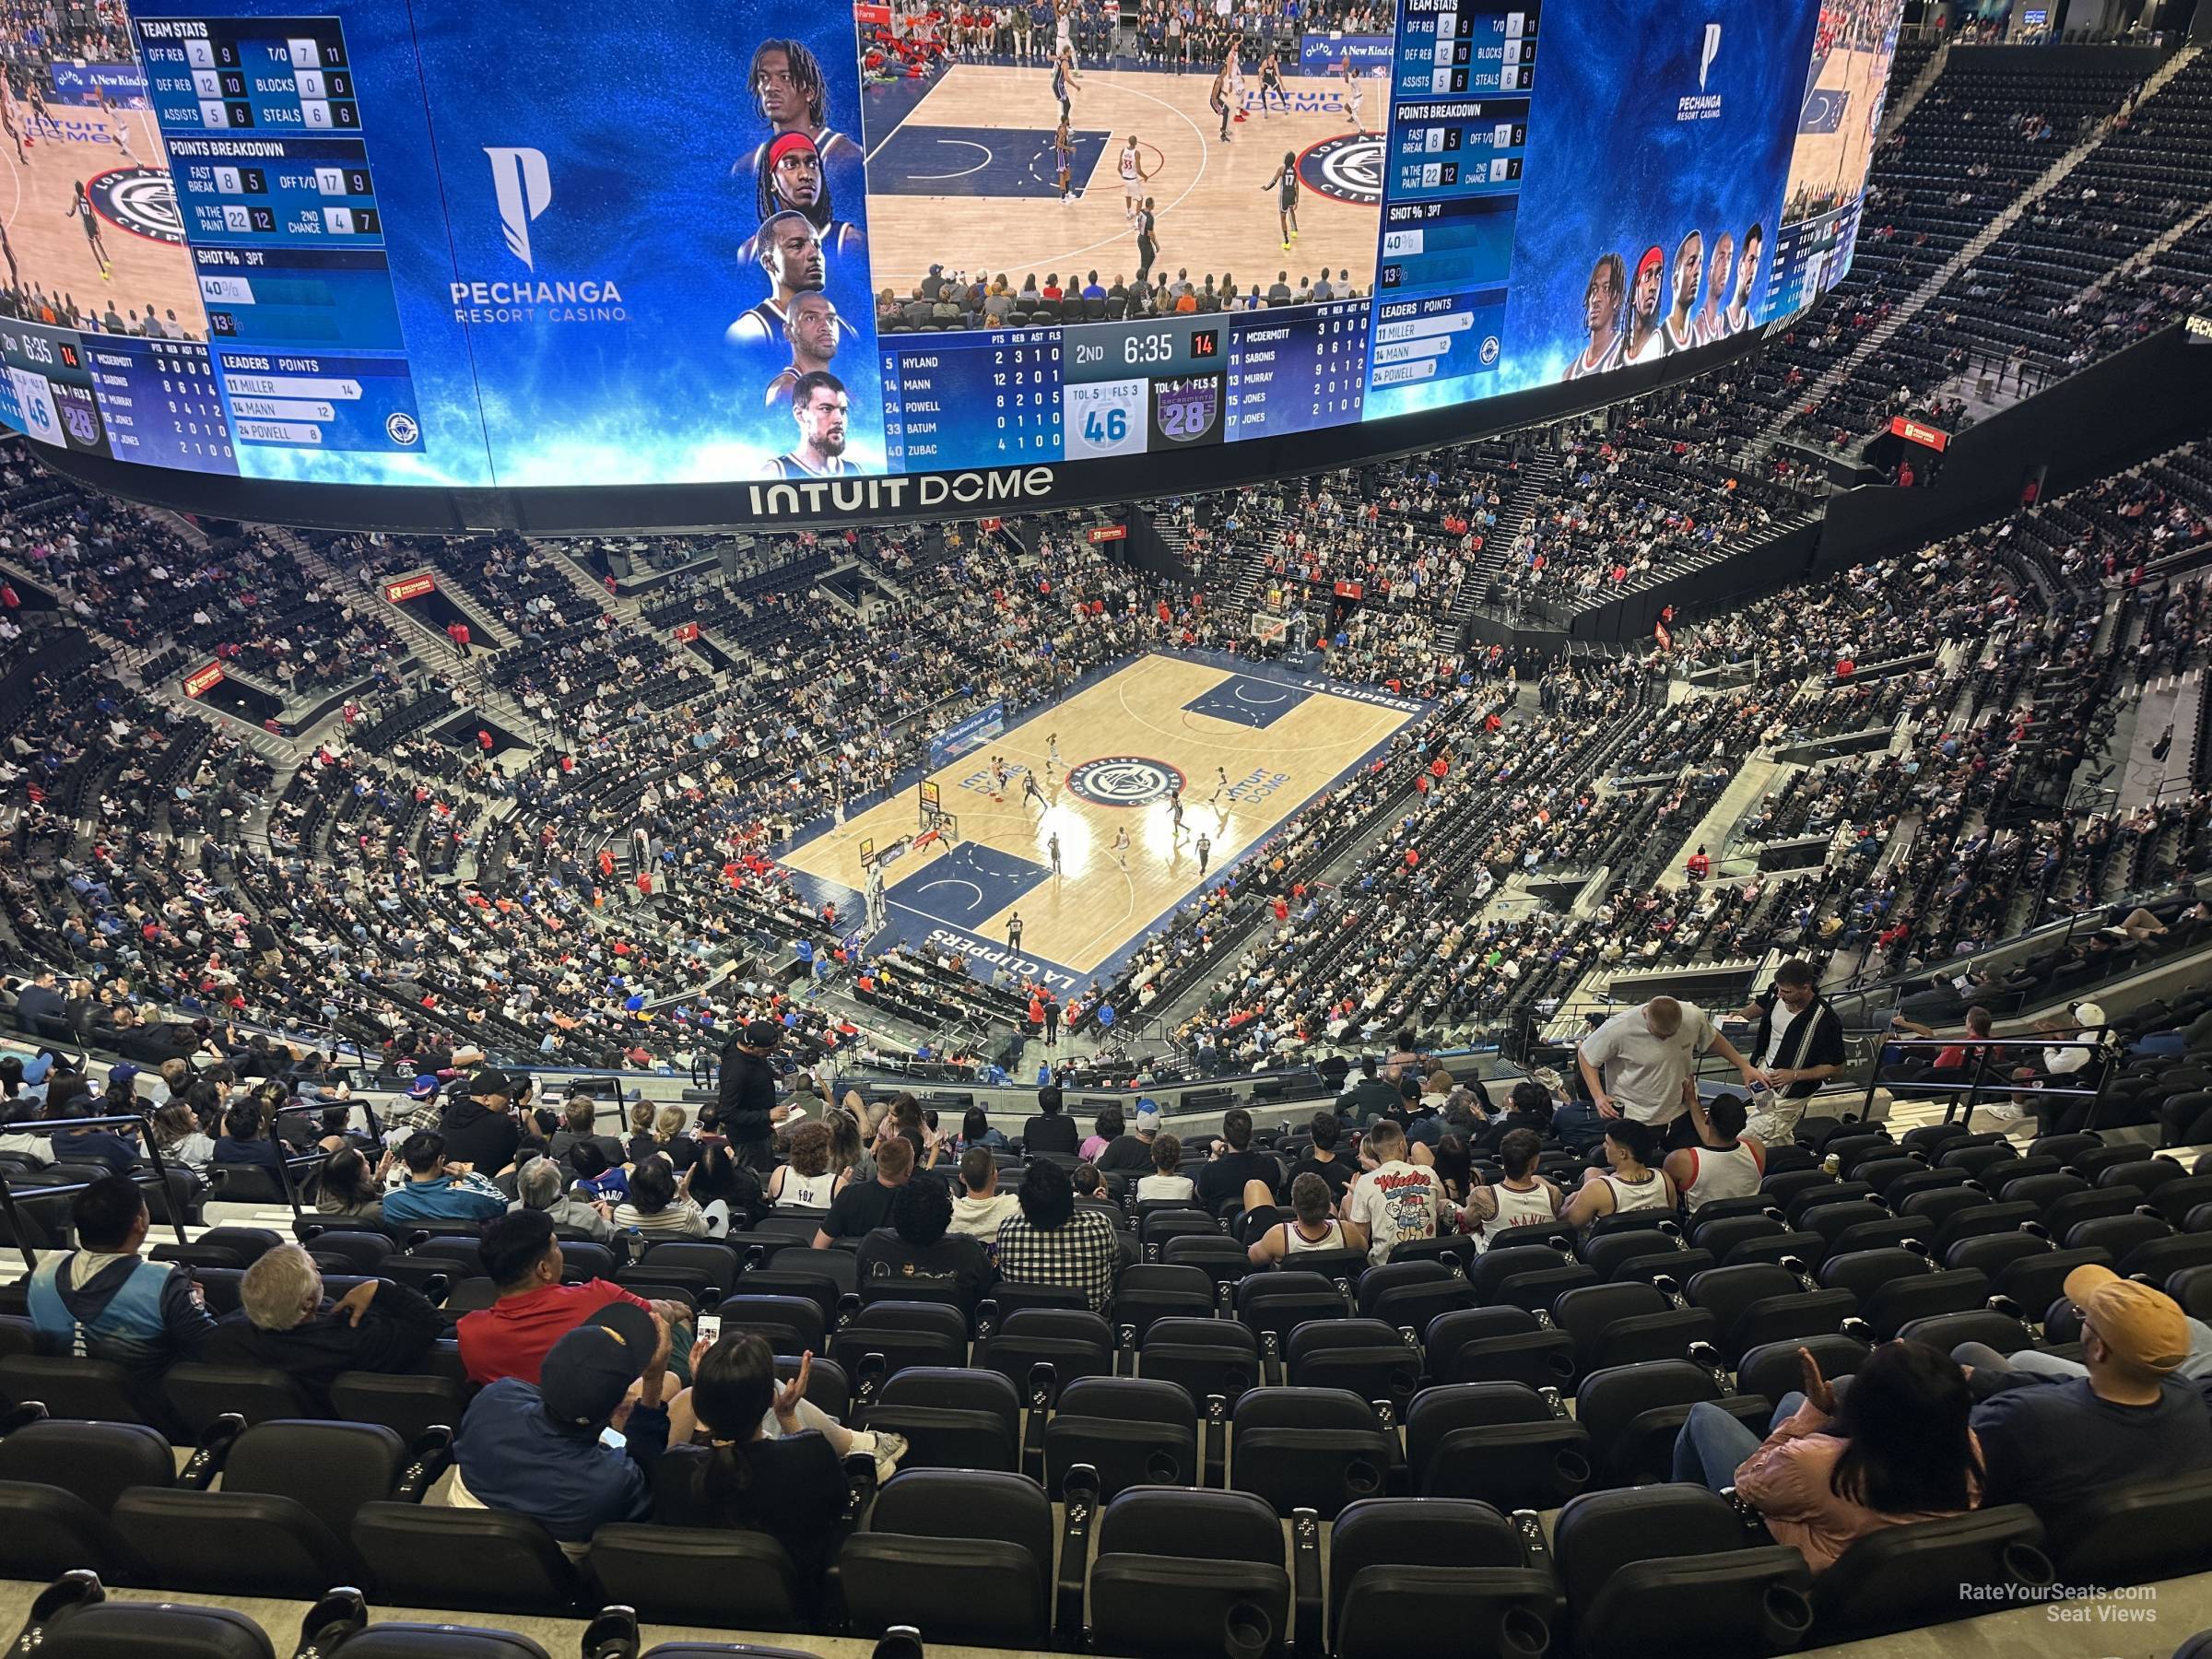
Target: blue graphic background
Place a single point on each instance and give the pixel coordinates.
(1611, 169)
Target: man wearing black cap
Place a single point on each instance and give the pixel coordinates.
(479, 1130)
(750, 1109)
(536, 1449)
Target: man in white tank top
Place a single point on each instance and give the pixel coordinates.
(1315, 1228)
(1522, 1199)
(1627, 1183)
(1133, 179)
(1725, 1163)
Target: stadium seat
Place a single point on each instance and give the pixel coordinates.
(59, 1480)
(951, 1417)
(1402, 1569)
(1132, 1431)
(479, 1561)
(1498, 1442)
(723, 1577)
(1189, 1575)
(965, 1555)
(1309, 1448)
(1898, 1578)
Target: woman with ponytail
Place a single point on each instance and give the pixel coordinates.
(788, 1482)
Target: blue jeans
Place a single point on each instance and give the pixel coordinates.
(1712, 1444)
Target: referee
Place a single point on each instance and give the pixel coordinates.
(1148, 249)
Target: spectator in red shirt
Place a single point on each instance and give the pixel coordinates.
(512, 1337)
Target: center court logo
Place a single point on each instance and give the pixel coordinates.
(1345, 170)
(522, 187)
(1124, 781)
(141, 200)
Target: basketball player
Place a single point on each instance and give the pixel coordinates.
(999, 778)
(811, 327)
(788, 85)
(1746, 273)
(1052, 846)
(1271, 81)
(1644, 343)
(1712, 323)
(1221, 785)
(1030, 792)
(15, 279)
(1217, 99)
(1064, 76)
(117, 125)
(1121, 846)
(1052, 750)
(1062, 44)
(1064, 156)
(1175, 811)
(1601, 316)
(794, 183)
(1132, 177)
(819, 405)
(1355, 96)
(791, 256)
(1147, 244)
(1285, 185)
(1236, 76)
(80, 208)
(1689, 274)
(8, 126)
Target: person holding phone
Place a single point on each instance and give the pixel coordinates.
(1893, 1448)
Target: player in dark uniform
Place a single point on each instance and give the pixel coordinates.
(1147, 245)
(1063, 77)
(1064, 157)
(1285, 185)
(1738, 315)
(787, 83)
(812, 326)
(791, 255)
(80, 207)
(1601, 314)
(1218, 100)
(1712, 320)
(795, 182)
(819, 405)
(1271, 81)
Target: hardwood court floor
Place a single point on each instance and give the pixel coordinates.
(49, 247)
(984, 131)
(1279, 740)
(1836, 160)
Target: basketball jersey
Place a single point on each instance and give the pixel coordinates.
(758, 326)
(1731, 1173)
(1271, 76)
(807, 1192)
(1297, 1243)
(1129, 162)
(1608, 358)
(1518, 1209)
(1654, 349)
(1288, 188)
(1060, 81)
(1648, 1193)
(1677, 342)
(790, 466)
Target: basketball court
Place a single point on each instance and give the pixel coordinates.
(960, 175)
(1836, 124)
(117, 154)
(1127, 736)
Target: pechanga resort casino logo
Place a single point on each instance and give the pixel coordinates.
(521, 187)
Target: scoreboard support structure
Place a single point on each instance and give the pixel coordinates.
(934, 819)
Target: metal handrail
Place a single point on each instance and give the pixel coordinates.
(1971, 1088)
(143, 1120)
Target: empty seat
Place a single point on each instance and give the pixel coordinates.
(1189, 1575)
(1205, 1358)
(1499, 1345)
(1308, 1448)
(966, 1555)
(1901, 1577)
(715, 1576)
(59, 1480)
(1621, 1324)
(1633, 1413)
(73, 1619)
(1764, 1302)
(426, 1555)
(93, 1389)
(952, 1418)
(202, 1393)
(1500, 1442)
(2135, 1534)
(1366, 1356)
(1402, 1569)
(1133, 1432)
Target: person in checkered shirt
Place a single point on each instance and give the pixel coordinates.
(1053, 1243)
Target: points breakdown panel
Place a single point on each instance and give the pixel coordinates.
(278, 206)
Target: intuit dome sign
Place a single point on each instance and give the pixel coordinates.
(818, 497)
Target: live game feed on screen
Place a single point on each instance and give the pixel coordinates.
(430, 245)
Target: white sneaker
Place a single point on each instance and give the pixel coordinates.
(884, 1447)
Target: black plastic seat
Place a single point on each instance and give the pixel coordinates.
(1899, 1578)
(1132, 1431)
(1189, 1575)
(1497, 1344)
(480, 1560)
(966, 1555)
(1148, 1291)
(1205, 1358)
(1308, 1448)
(73, 1619)
(90, 1390)
(886, 1337)
(200, 1394)
(2117, 1235)
(1663, 1570)
(1621, 1324)
(721, 1577)
(1763, 1302)
(282, 1525)
(1904, 1300)
(790, 1325)
(1073, 1342)
(1633, 1413)
(952, 1418)
(59, 1480)
(1366, 1358)
(2135, 1534)
(1402, 1569)
(1773, 1370)
(1498, 1442)
(1274, 1304)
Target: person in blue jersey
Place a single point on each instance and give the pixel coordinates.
(104, 1301)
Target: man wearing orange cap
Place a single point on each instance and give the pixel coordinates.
(2129, 1412)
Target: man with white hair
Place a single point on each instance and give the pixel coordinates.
(542, 1184)
(1643, 1063)
(285, 1323)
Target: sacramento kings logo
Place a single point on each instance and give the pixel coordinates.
(1125, 781)
(141, 200)
(1346, 169)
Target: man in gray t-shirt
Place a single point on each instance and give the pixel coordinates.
(1643, 1063)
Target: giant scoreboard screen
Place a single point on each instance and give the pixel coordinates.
(771, 260)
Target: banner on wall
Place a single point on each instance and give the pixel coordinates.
(975, 731)
(203, 680)
(1320, 53)
(83, 84)
(409, 587)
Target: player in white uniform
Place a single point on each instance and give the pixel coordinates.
(1062, 44)
(1236, 77)
(1355, 96)
(1133, 179)
(1121, 846)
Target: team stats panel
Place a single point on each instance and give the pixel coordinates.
(1461, 84)
(269, 149)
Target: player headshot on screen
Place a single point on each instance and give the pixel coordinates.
(818, 404)
(787, 83)
(1747, 274)
(1690, 272)
(1645, 343)
(791, 255)
(1711, 321)
(811, 325)
(794, 182)
(1601, 315)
